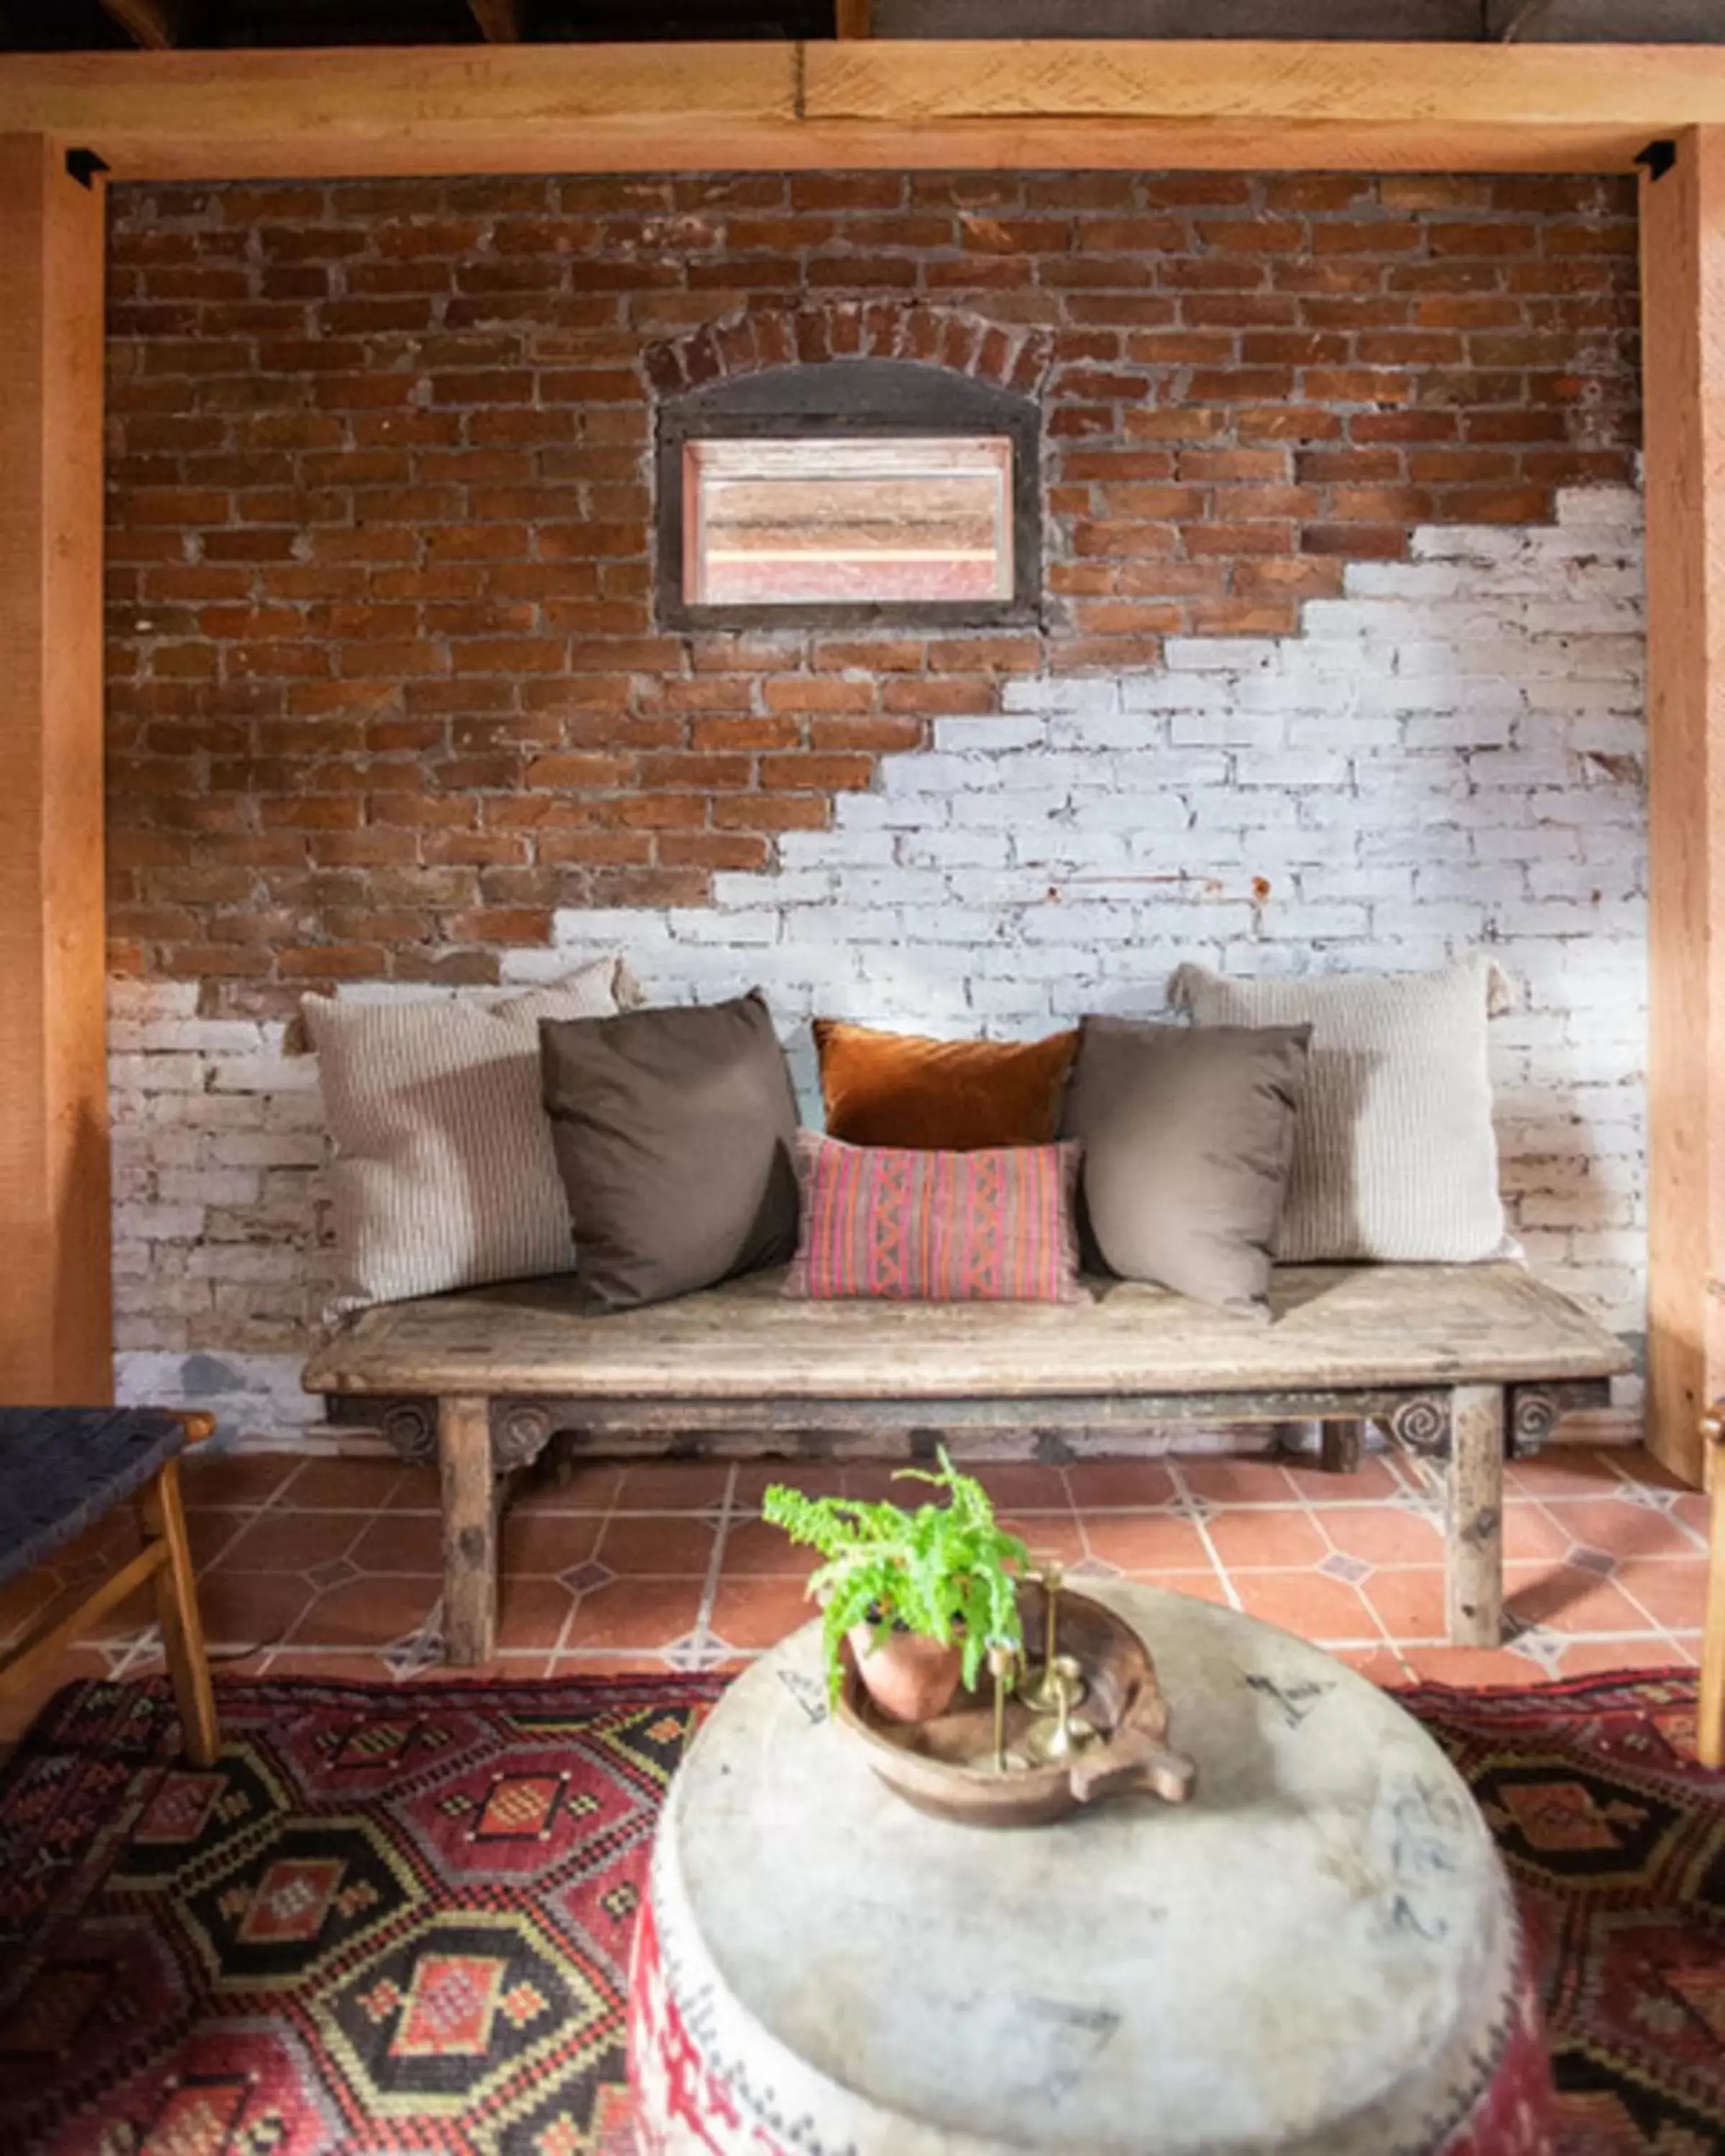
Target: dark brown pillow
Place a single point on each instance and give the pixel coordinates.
(1187, 1136)
(673, 1130)
(902, 1089)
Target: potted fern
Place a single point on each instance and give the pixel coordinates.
(921, 1595)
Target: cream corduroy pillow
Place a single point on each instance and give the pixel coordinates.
(444, 1174)
(1395, 1156)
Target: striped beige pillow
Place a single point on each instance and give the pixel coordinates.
(445, 1175)
(1394, 1155)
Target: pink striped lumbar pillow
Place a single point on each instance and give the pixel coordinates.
(995, 1226)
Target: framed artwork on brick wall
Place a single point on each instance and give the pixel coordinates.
(847, 493)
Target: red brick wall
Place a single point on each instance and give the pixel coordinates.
(385, 683)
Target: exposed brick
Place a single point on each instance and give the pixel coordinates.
(380, 568)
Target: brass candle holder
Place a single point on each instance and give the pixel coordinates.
(1059, 1686)
(1052, 1741)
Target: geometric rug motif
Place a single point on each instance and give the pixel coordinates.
(386, 1920)
(395, 1920)
(1614, 1839)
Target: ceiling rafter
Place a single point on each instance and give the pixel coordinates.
(500, 21)
(155, 24)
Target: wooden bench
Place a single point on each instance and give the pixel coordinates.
(1457, 1361)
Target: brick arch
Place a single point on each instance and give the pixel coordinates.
(1016, 356)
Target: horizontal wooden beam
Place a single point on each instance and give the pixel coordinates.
(865, 102)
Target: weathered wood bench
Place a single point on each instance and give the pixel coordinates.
(1457, 1361)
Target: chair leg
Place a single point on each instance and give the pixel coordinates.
(182, 1627)
(1710, 1727)
(1344, 1445)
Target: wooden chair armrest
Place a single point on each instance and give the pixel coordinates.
(199, 1422)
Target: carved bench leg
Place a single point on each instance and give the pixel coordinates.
(1473, 1517)
(464, 1447)
(1344, 1443)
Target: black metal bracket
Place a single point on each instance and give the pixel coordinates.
(1658, 157)
(84, 165)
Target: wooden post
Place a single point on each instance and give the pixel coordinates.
(1710, 1718)
(464, 1444)
(55, 1341)
(1473, 1517)
(1683, 332)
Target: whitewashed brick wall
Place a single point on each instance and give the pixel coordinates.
(1451, 756)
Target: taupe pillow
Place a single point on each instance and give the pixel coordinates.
(1187, 1140)
(674, 1131)
(443, 1176)
(1396, 1159)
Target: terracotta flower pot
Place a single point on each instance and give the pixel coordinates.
(909, 1677)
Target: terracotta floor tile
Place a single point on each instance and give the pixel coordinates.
(758, 1613)
(1638, 1462)
(1147, 1542)
(1020, 1485)
(673, 1485)
(590, 1486)
(635, 1613)
(25, 1599)
(532, 1613)
(753, 1548)
(1561, 1598)
(598, 1662)
(396, 1541)
(1384, 1666)
(1465, 1667)
(1103, 1485)
(211, 1532)
(1621, 1527)
(878, 1482)
(281, 1540)
(1588, 1658)
(1375, 1482)
(814, 1478)
(1051, 1537)
(373, 1612)
(1237, 1482)
(348, 1485)
(246, 1608)
(1309, 1603)
(1382, 1534)
(662, 1542)
(1694, 1510)
(1564, 1470)
(557, 1542)
(1199, 1586)
(356, 1666)
(1671, 1589)
(1410, 1602)
(235, 1478)
(417, 1490)
(1530, 1531)
(1266, 1537)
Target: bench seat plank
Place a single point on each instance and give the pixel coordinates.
(1336, 1328)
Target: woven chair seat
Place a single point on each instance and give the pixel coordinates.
(63, 1469)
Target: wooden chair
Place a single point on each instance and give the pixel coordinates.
(64, 1469)
(1710, 1730)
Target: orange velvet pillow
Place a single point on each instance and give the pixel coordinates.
(899, 1089)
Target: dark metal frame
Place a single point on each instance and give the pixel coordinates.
(851, 399)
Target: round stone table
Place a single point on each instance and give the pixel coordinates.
(1316, 1956)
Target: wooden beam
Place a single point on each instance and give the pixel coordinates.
(500, 21)
(866, 102)
(54, 1322)
(1683, 335)
(851, 18)
(155, 24)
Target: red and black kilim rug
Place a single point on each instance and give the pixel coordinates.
(399, 1921)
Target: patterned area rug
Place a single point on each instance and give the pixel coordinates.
(399, 1921)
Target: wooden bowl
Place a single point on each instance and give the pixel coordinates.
(945, 1766)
